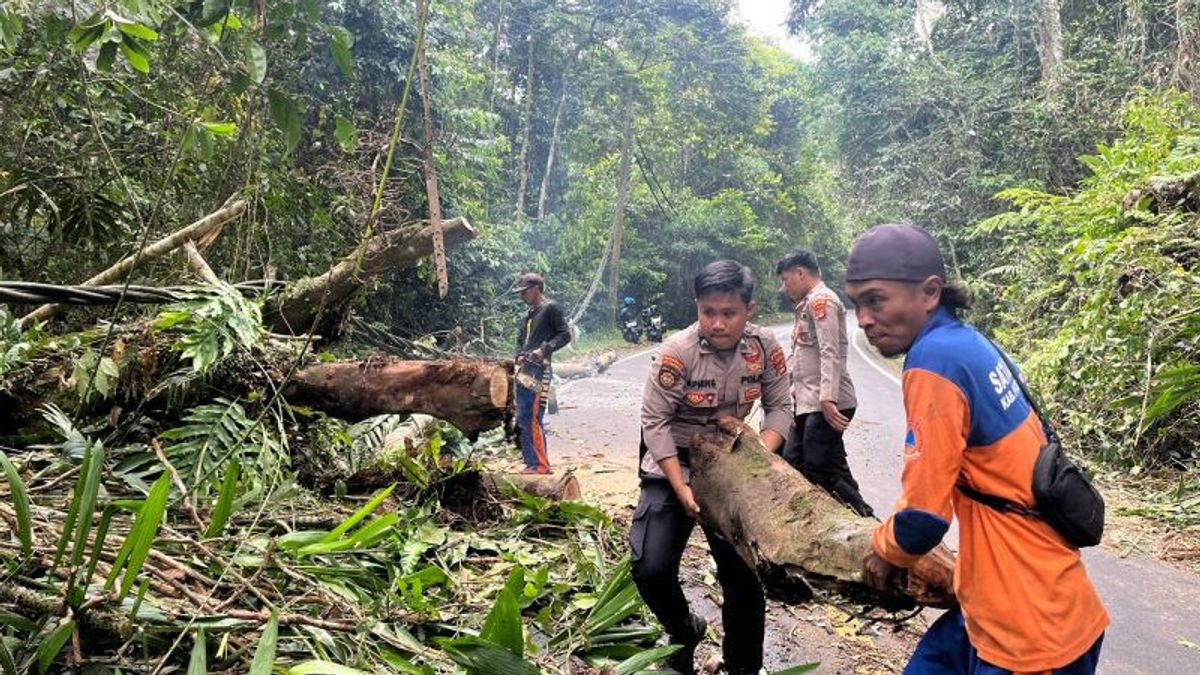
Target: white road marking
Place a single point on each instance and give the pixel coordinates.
(853, 331)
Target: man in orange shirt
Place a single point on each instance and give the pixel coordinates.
(1026, 603)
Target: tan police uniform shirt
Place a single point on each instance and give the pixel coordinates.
(819, 344)
(691, 385)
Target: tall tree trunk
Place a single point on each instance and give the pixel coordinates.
(1050, 41)
(431, 182)
(1186, 72)
(526, 121)
(501, 24)
(544, 195)
(618, 227)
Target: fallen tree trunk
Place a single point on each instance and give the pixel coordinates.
(320, 304)
(795, 536)
(473, 395)
(576, 369)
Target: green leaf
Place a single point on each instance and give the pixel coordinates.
(286, 116)
(198, 664)
(108, 54)
(135, 55)
(798, 670)
(224, 507)
(482, 657)
(366, 510)
(342, 57)
(137, 30)
(133, 552)
(220, 128)
(20, 503)
(345, 134)
(256, 62)
(264, 654)
(50, 647)
(503, 623)
(323, 668)
(83, 35)
(639, 662)
(7, 665)
(89, 477)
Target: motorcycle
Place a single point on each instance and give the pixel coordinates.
(630, 329)
(652, 323)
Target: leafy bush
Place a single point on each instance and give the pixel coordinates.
(1102, 308)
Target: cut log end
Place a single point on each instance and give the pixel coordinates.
(499, 385)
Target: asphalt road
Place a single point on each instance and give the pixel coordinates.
(1155, 608)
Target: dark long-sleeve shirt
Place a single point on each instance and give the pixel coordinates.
(543, 327)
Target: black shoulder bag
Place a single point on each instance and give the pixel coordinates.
(1064, 495)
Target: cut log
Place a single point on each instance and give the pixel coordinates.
(548, 487)
(296, 310)
(473, 395)
(792, 533)
(576, 369)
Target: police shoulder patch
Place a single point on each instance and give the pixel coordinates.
(819, 306)
(778, 360)
(670, 372)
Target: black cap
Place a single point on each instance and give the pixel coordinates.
(528, 280)
(895, 252)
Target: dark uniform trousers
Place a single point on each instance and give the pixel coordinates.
(816, 450)
(657, 538)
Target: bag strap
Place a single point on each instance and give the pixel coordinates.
(1033, 401)
(999, 503)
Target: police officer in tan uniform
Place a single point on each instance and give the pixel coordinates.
(716, 367)
(823, 395)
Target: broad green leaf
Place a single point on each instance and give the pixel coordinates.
(224, 507)
(503, 623)
(135, 55)
(198, 663)
(342, 57)
(220, 128)
(50, 647)
(256, 62)
(639, 662)
(83, 36)
(482, 657)
(20, 503)
(264, 654)
(323, 668)
(137, 30)
(108, 54)
(345, 134)
(286, 116)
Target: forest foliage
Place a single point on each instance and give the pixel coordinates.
(1054, 154)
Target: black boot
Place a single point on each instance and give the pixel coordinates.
(684, 661)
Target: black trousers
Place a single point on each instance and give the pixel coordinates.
(657, 539)
(816, 450)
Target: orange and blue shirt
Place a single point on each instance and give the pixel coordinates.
(1028, 602)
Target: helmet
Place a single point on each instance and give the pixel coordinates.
(629, 300)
